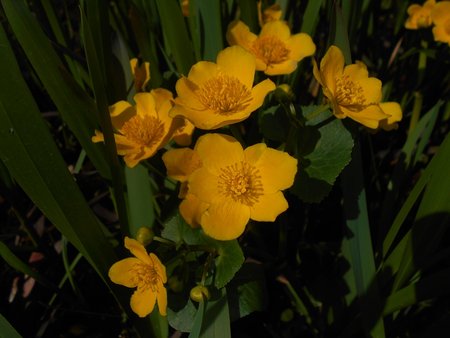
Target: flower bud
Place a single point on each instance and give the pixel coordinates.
(145, 235)
(199, 293)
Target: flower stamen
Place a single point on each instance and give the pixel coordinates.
(145, 131)
(225, 95)
(270, 49)
(350, 94)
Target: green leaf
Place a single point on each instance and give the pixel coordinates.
(274, 124)
(249, 14)
(311, 16)
(76, 108)
(198, 321)
(216, 320)
(184, 319)
(228, 262)
(321, 163)
(247, 292)
(140, 198)
(7, 330)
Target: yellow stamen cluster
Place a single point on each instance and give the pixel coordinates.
(350, 93)
(242, 182)
(145, 131)
(146, 277)
(224, 94)
(270, 49)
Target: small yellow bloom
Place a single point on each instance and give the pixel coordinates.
(144, 272)
(394, 112)
(180, 164)
(276, 50)
(141, 74)
(271, 13)
(419, 16)
(441, 19)
(237, 185)
(144, 128)
(218, 94)
(350, 90)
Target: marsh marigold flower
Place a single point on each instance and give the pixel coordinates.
(440, 16)
(146, 273)
(276, 50)
(141, 74)
(419, 16)
(236, 185)
(144, 128)
(218, 94)
(349, 89)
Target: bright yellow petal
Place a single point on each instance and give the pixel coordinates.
(187, 97)
(259, 93)
(217, 151)
(161, 297)
(121, 112)
(159, 267)
(239, 63)
(162, 97)
(133, 159)
(356, 71)
(137, 249)
(369, 117)
(183, 135)
(268, 207)
(202, 71)
(277, 168)
(191, 209)
(225, 220)
(331, 67)
(440, 34)
(145, 104)
(394, 111)
(203, 118)
(239, 33)
(121, 272)
(317, 74)
(440, 12)
(300, 45)
(204, 185)
(98, 137)
(133, 65)
(371, 89)
(285, 67)
(143, 302)
(180, 163)
(278, 28)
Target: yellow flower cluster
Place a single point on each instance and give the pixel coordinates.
(431, 13)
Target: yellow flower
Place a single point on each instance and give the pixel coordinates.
(141, 74)
(276, 50)
(144, 128)
(144, 272)
(441, 19)
(238, 185)
(419, 16)
(218, 94)
(183, 135)
(180, 164)
(271, 13)
(350, 90)
(394, 112)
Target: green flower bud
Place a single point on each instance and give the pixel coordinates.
(199, 293)
(145, 235)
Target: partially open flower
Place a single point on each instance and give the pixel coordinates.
(276, 50)
(144, 128)
(441, 19)
(141, 74)
(144, 272)
(271, 13)
(420, 16)
(349, 89)
(218, 94)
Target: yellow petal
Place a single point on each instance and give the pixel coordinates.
(98, 137)
(331, 67)
(137, 249)
(259, 93)
(225, 220)
(277, 168)
(371, 89)
(441, 12)
(121, 112)
(239, 63)
(191, 209)
(285, 67)
(356, 71)
(440, 34)
(187, 97)
(121, 272)
(394, 111)
(203, 118)
(278, 28)
(145, 104)
(202, 71)
(142, 302)
(217, 151)
(161, 297)
(162, 97)
(183, 135)
(133, 159)
(239, 33)
(317, 74)
(369, 117)
(180, 163)
(205, 186)
(268, 207)
(300, 45)
(159, 267)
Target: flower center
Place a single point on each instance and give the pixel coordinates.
(144, 131)
(242, 182)
(270, 49)
(225, 94)
(146, 276)
(350, 94)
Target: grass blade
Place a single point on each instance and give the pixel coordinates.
(7, 330)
